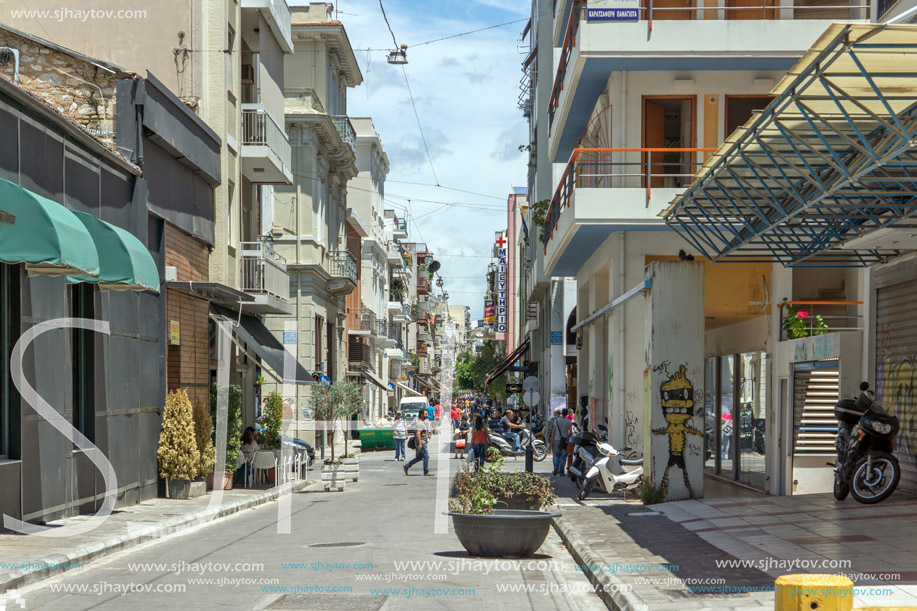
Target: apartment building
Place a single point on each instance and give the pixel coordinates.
(402, 296)
(224, 61)
(640, 99)
(367, 200)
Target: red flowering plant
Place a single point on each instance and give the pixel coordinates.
(802, 323)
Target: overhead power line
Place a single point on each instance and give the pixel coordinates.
(384, 16)
(419, 126)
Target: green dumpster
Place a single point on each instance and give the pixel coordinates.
(376, 438)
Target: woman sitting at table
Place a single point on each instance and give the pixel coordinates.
(249, 447)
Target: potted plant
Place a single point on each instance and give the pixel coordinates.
(177, 454)
(333, 475)
(802, 324)
(203, 435)
(485, 530)
(351, 402)
(271, 436)
(233, 432)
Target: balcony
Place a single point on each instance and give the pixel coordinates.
(266, 150)
(421, 349)
(345, 129)
(607, 190)
(423, 285)
(264, 275)
(761, 36)
(342, 267)
(360, 354)
(361, 321)
(276, 13)
(807, 318)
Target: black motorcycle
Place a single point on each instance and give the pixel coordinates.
(865, 465)
(584, 452)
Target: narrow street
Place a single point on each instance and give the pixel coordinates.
(344, 553)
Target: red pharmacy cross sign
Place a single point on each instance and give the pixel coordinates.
(501, 241)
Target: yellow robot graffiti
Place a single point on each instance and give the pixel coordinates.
(677, 408)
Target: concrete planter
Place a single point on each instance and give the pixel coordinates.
(505, 533)
(178, 488)
(198, 488)
(333, 477)
(351, 468)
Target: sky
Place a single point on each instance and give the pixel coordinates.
(466, 90)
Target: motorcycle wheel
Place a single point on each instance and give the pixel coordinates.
(841, 488)
(540, 451)
(875, 486)
(585, 489)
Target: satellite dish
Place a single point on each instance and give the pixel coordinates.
(433, 267)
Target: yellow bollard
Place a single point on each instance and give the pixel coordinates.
(813, 593)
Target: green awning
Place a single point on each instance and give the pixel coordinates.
(43, 234)
(126, 264)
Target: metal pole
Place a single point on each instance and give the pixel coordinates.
(529, 452)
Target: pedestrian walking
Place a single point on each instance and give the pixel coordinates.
(480, 439)
(461, 438)
(421, 428)
(399, 433)
(561, 432)
(456, 415)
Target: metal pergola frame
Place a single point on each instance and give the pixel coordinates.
(832, 158)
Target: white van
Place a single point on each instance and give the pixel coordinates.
(411, 406)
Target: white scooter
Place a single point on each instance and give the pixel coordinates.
(505, 447)
(600, 471)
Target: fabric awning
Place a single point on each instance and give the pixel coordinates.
(824, 176)
(407, 388)
(268, 348)
(43, 234)
(507, 363)
(372, 377)
(125, 263)
(424, 381)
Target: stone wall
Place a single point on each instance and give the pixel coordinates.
(78, 89)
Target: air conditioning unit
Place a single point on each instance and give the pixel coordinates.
(248, 74)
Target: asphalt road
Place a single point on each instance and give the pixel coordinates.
(344, 551)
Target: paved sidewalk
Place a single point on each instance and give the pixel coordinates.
(725, 553)
(30, 558)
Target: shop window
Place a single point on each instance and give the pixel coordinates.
(82, 305)
(318, 331)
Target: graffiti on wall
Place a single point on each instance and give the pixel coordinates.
(677, 394)
(895, 391)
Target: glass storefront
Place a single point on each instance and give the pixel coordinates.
(735, 414)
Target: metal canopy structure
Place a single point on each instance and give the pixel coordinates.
(831, 160)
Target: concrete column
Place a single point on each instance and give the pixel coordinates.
(673, 379)
(557, 379)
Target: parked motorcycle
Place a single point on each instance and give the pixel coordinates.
(506, 447)
(865, 466)
(602, 472)
(584, 452)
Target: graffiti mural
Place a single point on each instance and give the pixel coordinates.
(895, 389)
(677, 395)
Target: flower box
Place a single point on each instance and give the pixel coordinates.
(333, 477)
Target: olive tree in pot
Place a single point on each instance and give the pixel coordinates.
(271, 435)
(233, 432)
(203, 435)
(177, 454)
(483, 529)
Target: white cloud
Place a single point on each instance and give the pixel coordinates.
(466, 90)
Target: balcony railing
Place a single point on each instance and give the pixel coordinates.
(260, 129)
(423, 286)
(345, 128)
(605, 168)
(764, 9)
(342, 264)
(263, 271)
(361, 319)
(806, 318)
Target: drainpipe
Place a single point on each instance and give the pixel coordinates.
(15, 53)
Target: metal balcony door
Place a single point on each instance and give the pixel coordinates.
(896, 369)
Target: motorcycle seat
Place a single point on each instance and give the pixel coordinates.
(631, 461)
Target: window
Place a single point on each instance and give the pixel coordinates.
(5, 348)
(319, 329)
(82, 305)
(230, 48)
